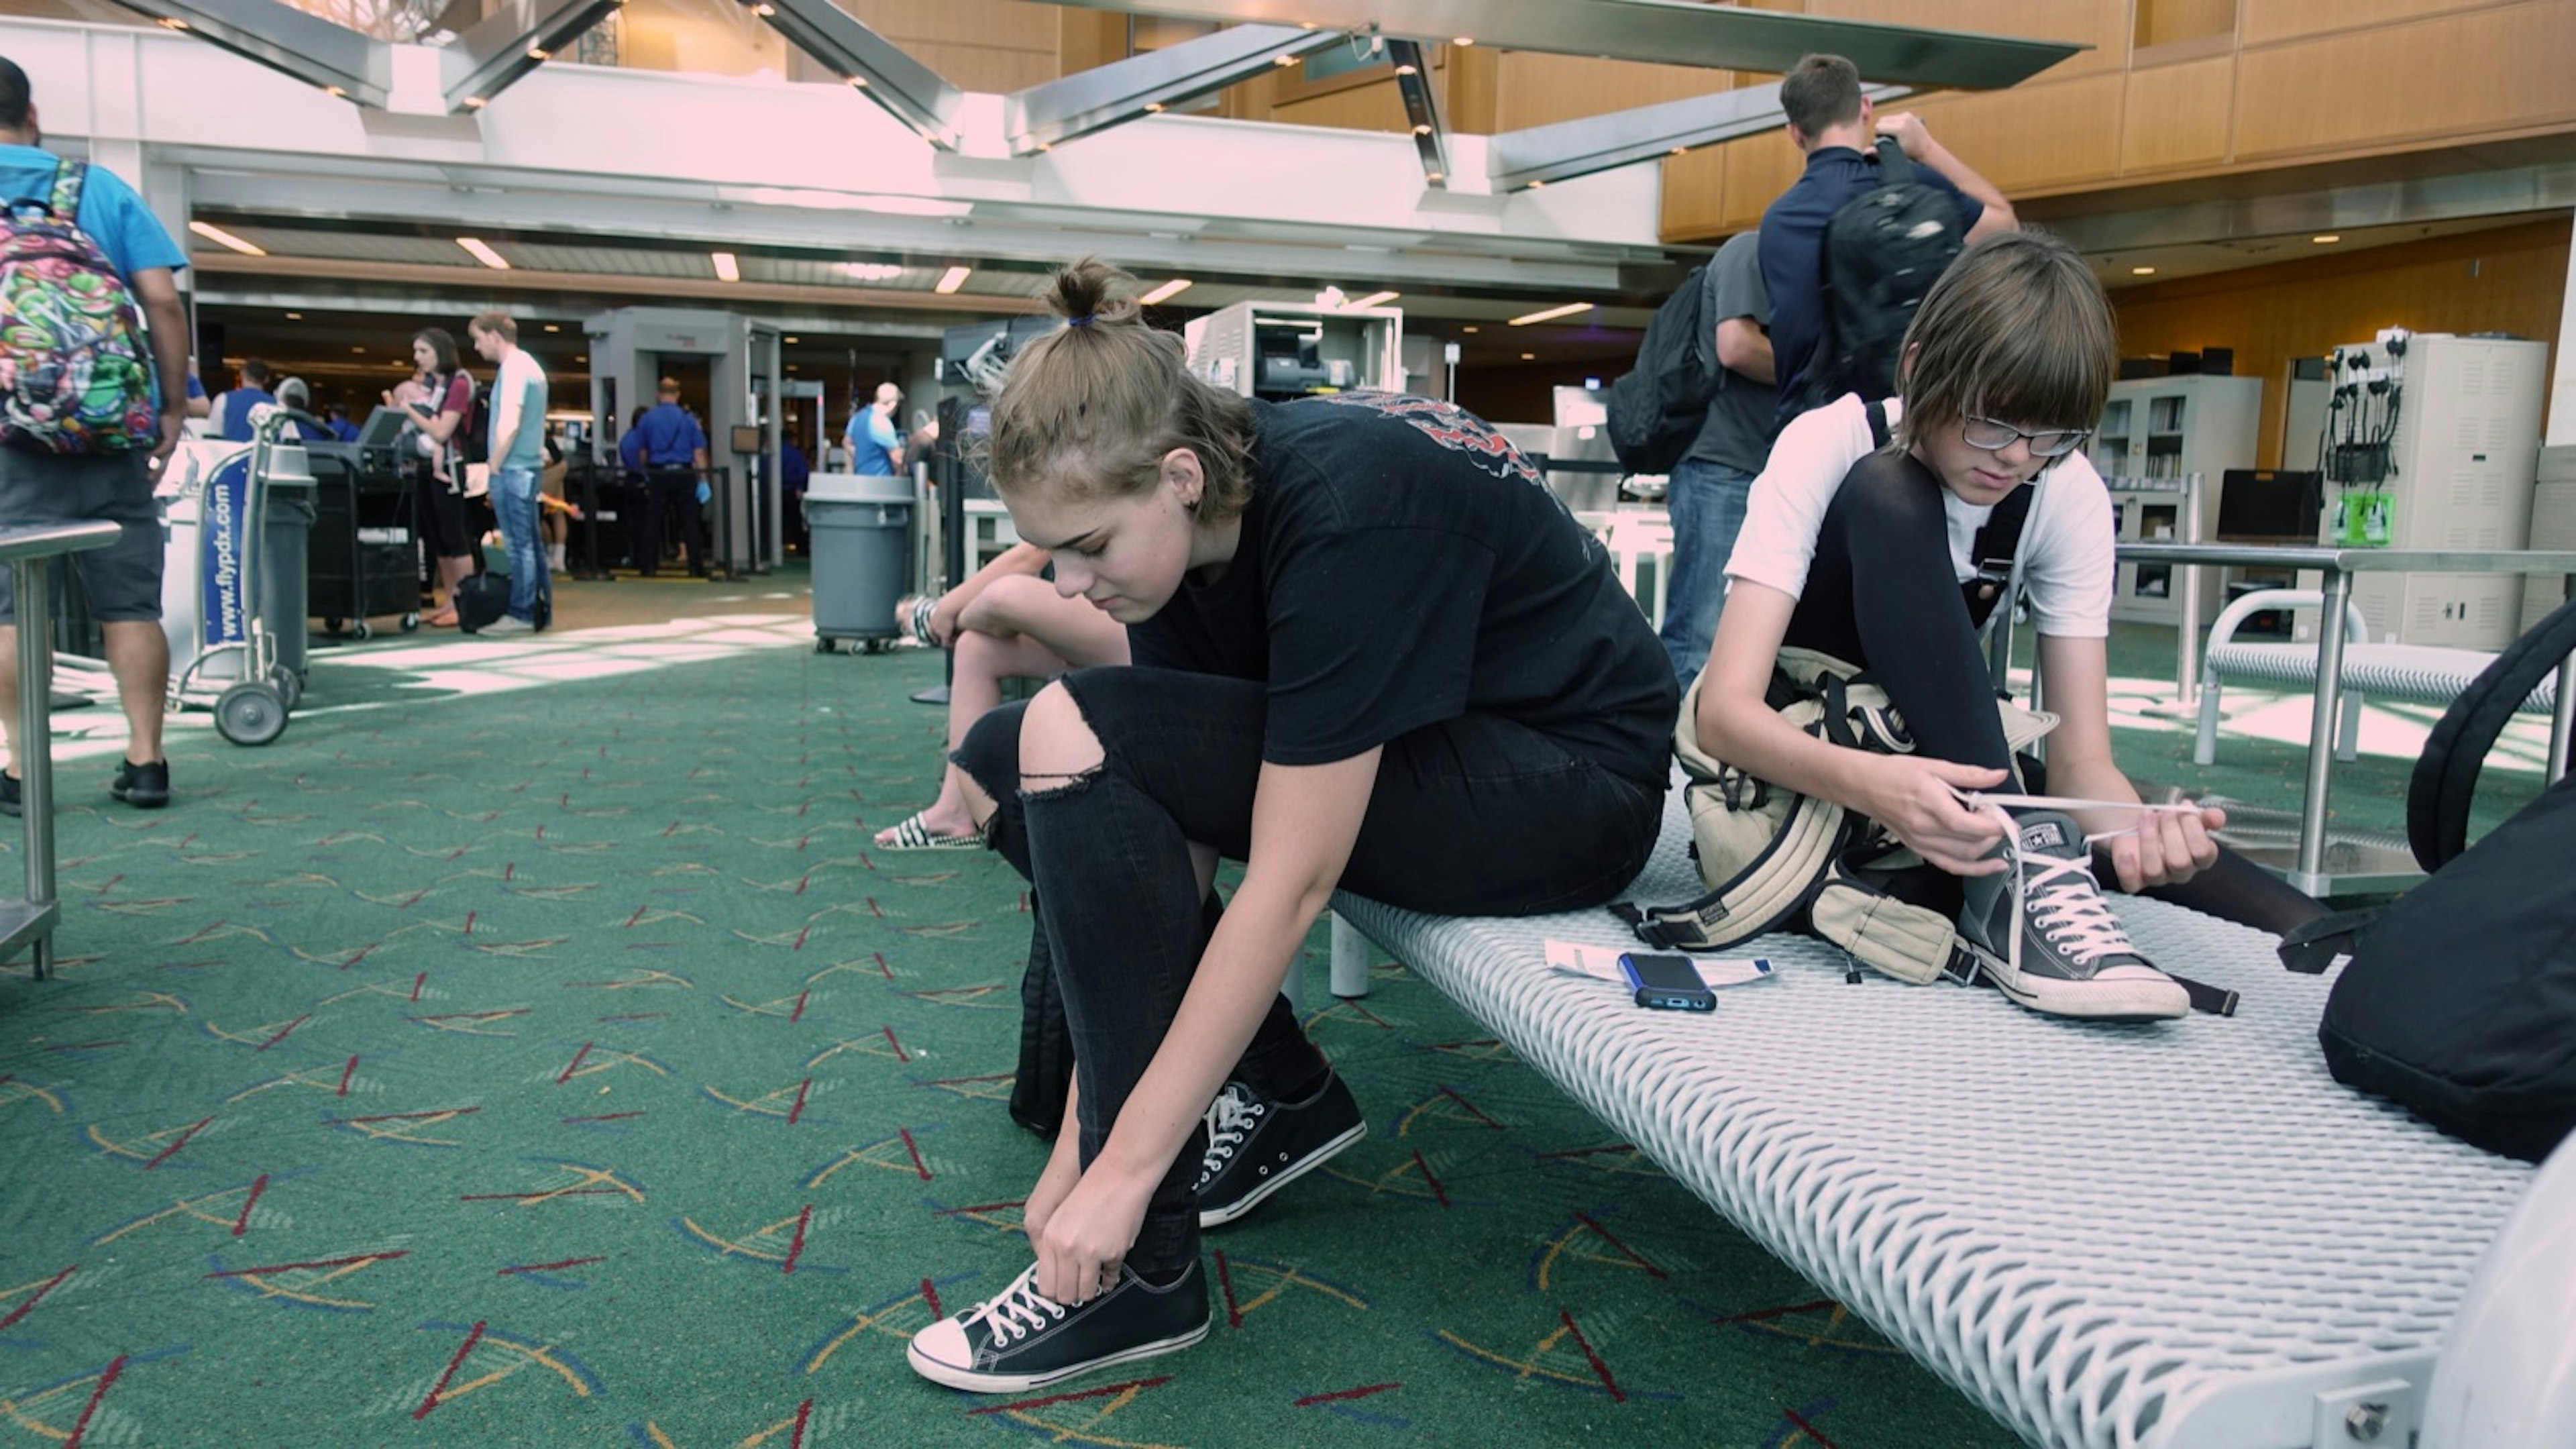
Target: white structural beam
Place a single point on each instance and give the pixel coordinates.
(1560, 152)
(1665, 32)
(1037, 118)
(910, 92)
(513, 39)
(331, 58)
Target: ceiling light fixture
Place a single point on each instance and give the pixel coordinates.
(475, 103)
(1407, 70)
(727, 269)
(294, 316)
(2329, 239)
(1285, 57)
(223, 238)
(1153, 108)
(1377, 299)
(1552, 313)
(952, 279)
(871, 271)
(537, 52)
(1165, 292)
(481, 251)
(1464, 41)
(554, 327)
(2142, 271)
(1471, 329)
(790, 341)
(1529, 357)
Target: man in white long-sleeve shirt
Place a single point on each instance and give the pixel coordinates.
(517, 454)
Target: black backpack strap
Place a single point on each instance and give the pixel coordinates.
(2445, 781)
(2215, 1000)
(2312, 946)
(1879, 433)
(1895, 168)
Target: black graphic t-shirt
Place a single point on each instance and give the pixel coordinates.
(1401, 565)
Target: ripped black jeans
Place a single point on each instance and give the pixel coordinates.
(1471, 816)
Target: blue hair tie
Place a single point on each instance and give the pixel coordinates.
(1082, 321)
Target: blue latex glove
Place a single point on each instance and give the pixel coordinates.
(704, 492)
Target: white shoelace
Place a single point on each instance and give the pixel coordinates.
(1020, 1310)
(2071, 912)
(1229, 1118)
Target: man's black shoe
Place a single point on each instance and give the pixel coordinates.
(145, 787)
(1256, 1148)
(1023, 1340)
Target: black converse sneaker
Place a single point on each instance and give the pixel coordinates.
(1024, 1340)
(1256, 1148)
(2044, 934)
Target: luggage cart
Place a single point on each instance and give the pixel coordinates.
(222, 655)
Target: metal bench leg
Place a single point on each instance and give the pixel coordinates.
(1350, 960)
(2204, 746)
(2348, 735)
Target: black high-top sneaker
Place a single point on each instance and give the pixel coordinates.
(1256, 1148)
(2058, 949)
(1024, 1340)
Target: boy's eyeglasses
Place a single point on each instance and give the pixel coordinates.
(1994, 437)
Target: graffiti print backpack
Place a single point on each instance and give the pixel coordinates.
(75, 371)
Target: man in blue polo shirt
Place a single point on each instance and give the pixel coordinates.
(124, 578)
(1836, 127)
(670, 449)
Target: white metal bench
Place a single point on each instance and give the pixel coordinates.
(2184, 1235)
(2417, 672)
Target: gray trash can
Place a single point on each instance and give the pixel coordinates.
(285, 591)
(862, 532)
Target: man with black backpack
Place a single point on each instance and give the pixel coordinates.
(1708, 488)
(1835, 127)
(94, 405)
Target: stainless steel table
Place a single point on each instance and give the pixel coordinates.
(29, 552)
(2306, 866)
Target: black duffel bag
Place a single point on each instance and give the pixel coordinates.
(2460, 1001)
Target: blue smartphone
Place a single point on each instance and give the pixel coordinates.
(1667, 983)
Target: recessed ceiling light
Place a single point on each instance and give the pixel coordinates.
(871, 271)
(789, 340)
(2142, 271)
(1408, 70)
(1284, 58)
(1153, 108)
(727, 269)
(2328, 239)
(481, 251)
(294, 316)
(1535, 185)
(1529, 357)
(1433, 177)
(357, 349)
(1165, 292)
(1464, 40)
(536, 52)
(1471, 329)
(952, 279)
(1422, 130)
(1552, 313)
(223, 238)
(475, 103)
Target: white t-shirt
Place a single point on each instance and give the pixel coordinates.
(2066, 544)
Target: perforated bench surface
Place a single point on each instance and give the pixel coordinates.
(2106, 1235)
(2387, 671)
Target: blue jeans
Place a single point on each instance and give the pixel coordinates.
(1707, 504)
(514, 503)
(1471, 816)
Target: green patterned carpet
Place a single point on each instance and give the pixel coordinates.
(530, 1048)
(533, 1050)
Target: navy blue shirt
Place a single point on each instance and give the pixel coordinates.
(668, 437)
(794, 471)
(1793, 243)
(232, 412)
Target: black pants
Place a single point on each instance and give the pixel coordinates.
(1881, 594)
(1472, 816)
(666, 489)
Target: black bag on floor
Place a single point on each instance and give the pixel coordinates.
(2460, 1002)
(481, 598)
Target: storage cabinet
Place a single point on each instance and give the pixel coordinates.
(2155, 433)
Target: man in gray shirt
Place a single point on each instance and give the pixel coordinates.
(1710, 484)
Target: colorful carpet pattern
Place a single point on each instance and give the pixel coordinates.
(564, 1066)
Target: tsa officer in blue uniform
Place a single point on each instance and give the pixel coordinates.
(670, 449)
